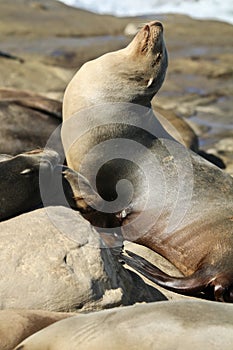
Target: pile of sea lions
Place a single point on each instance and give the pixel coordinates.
(129, 177)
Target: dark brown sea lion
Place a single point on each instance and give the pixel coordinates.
(19, 180)
(27, 121)
(35, 178)
(166, 197)
(178, 127)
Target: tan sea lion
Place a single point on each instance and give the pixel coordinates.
(16, 325)
(165, 325)
(166, 197)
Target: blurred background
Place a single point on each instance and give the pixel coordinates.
(213, 9)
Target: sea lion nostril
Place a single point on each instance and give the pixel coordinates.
(157, 24)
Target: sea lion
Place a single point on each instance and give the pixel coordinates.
(165, 197)
(178, 127)
(16, 325)
(190, 324)
(19, 180)
(33, 178)
(27, 121)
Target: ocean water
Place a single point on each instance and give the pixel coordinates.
(205, 9)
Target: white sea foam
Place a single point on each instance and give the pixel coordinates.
(206, 9)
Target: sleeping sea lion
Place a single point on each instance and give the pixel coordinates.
(25, 178)
(19, 180)
(165, 325)
(166, 197)
(27, 121)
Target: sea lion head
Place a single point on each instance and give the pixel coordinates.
(148, 54)
(20, 180)
(133, 74)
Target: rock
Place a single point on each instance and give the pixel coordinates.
(131, 29)
(46, 19)
(52, 259)
(166, 325)
(224, 149)
(33, 75)
(225, 145)
(16, 325)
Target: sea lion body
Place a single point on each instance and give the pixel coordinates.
(200, 246)
(19, 180)
(189, 324)
(27, 121)
(181, 206)
(36, 178)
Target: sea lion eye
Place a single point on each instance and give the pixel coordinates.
(158, 58)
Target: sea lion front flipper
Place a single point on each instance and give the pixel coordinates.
(191, 285)
(78, 191)
(223, 287)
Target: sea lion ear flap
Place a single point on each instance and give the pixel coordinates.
(146, 30)
(146, 35)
